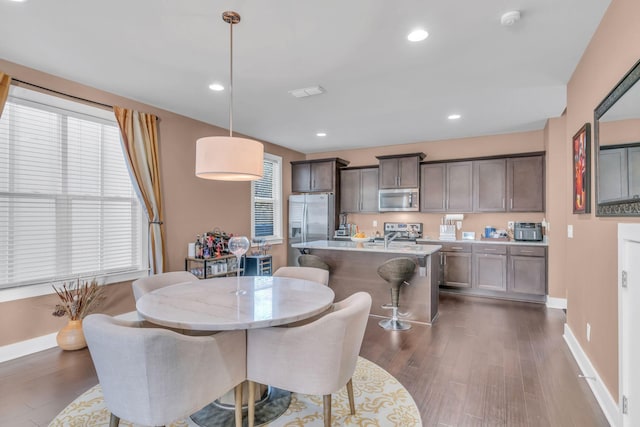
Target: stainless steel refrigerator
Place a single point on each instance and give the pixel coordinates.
(311, 217)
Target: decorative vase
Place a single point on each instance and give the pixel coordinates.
(71, 336)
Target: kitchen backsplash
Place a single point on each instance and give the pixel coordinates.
(475, 222)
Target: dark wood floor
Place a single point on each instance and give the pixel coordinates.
(484, 363)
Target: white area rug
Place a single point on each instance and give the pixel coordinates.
(380, 401)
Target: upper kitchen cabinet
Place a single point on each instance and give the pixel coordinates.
(316, 176)
(446, 187)
(525, 184)
(359, 190)
(489, 185)
(513, 184)
(400, 171)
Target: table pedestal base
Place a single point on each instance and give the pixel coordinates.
(274, 403)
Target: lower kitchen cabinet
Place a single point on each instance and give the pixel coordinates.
(490, 267)
(517, 272)
(455, 260)
(527, 270)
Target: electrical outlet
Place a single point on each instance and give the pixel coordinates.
(588, 331)
(570, 231)
(510, 225)
(375, 223)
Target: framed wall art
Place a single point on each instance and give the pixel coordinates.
(582, 170)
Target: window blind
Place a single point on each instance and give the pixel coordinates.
(67, 205)
(267, 201)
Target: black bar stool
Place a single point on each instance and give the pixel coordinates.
(396, 272)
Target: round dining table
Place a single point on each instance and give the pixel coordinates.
(214, 304)
(231, 303)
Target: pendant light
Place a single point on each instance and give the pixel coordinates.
(228, 158)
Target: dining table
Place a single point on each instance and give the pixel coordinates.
(236, 303)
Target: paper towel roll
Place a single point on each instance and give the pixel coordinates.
(454, 217)
(191, 252)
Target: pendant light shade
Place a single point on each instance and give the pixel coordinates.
(227, 158)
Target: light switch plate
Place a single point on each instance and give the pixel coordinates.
(570, 231)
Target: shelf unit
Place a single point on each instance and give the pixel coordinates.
(258, 265)
(207, 268)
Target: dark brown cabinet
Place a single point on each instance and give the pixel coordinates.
(399, 171)
(489, 185)
(525, 184)
(455, 261)
(527, 270)
(316, 176)
(490, 267)
(359, 190)
(514, 184)
(446, 187)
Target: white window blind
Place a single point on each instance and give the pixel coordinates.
(67, 205)
(266, 201)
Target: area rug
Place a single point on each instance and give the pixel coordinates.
(380, 401)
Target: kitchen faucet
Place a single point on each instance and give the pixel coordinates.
(388, 239)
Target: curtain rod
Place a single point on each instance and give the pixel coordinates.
(63, 94)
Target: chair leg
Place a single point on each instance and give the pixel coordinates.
(352, 404)
(238, 402)
(326, 404)
(251, 404)
(114, 421)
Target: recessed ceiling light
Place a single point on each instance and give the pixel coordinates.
(321, 134)
(18, 1)
(417, 35)
(216, 86)
(454, 116)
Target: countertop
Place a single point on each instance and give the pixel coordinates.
(489, 242)
(394, 247)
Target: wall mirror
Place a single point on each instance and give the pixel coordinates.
(617, 148)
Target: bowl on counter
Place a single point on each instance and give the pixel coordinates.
(360, 239)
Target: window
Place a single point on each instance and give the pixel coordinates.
(67, 205)
(266, 201)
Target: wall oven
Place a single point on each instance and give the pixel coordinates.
(399, 200)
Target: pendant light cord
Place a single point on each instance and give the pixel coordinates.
(231, 79)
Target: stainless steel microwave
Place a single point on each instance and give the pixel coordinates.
(399, 200)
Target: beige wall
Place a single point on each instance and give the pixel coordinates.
(191, 205)
(591, 256)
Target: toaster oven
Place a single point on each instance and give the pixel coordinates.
(527, 231)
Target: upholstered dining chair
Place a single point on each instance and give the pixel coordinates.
(154, 376)
(157, 281)
(307, 273)
(317, 358)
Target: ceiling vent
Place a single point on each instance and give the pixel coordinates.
(307, 91)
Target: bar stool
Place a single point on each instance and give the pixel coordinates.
(396, 272)
(308, 260)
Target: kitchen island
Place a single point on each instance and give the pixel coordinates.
(354, 268)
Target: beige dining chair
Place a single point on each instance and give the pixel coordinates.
(317, 358)
(157, 281)
(154, 376)
(306, 273)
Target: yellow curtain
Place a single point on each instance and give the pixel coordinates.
(5, 81)
(140, 144)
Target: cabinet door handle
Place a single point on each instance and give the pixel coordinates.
(511, 207)
(444, 259)
(457, 248)
(525, 251)
(490, 250)
(503, 203)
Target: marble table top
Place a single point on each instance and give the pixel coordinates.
(212, 305)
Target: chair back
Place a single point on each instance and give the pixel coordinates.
(306, 273)
(324, 352)
(397, 270)
(157, 281)
(153, 376)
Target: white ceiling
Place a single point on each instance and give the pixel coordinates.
(380, 88)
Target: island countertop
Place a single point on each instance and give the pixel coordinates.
(393, 247)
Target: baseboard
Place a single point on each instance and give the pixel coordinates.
(44, 342)
(553, 302)
(602, 395)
